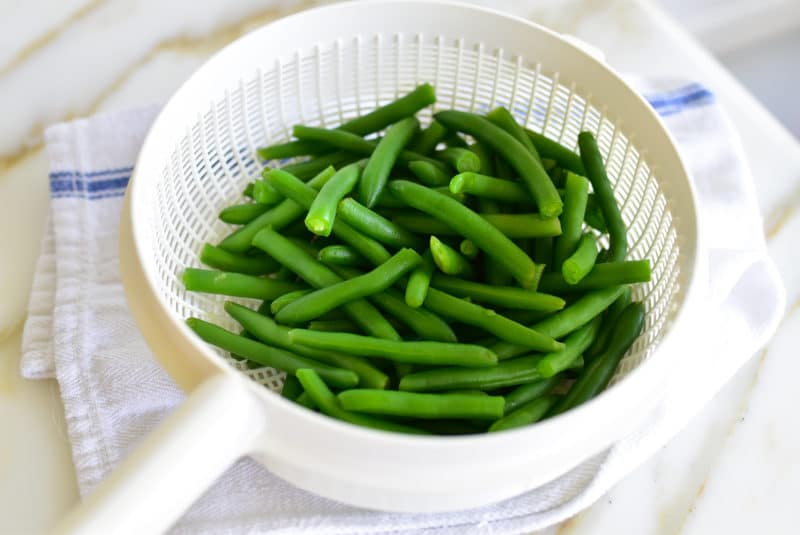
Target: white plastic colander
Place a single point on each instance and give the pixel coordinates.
(322, 67)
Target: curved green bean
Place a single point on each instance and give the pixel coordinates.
(609, 319)
(429, 174)
(531, 412)
(528, 392)
(503, 118)
(340, 255)
(378, 119)
(221, 259)
(322, 211)
(566, 320)
(490, 188)
(279, 302)
(269, 356)
(501, 142)
(436, 353)
(316, 303)
(241, 214)
(235, 284)
(327, 402)
(448, 260)
(564, 157)
(581, 262)
(574, 345)
(488, 320)
(320, 276)
(461, 159)
(601, 276)
(428, 406)
(504, 296)
(419, 280)
(277, 217)
(596, 173)
(269, 332)
(513, 372)
(382, 160)
(577, 192)
(597, 375)
(510, 225)
(471, 225)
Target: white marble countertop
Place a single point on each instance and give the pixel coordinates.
(731, 470)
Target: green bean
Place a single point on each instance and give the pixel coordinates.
(488, 320)
(460, 159)
(448, 260)
(566, 320)
(593, 215)
(503, 118)
(291, 388)
(597, 375)
(429, 174)
(471, 225)
(510, 225)
(577, 191)
(355, 144)
(304, 400)
(333, 326)
(601, 276)
(609, 319)
(548, 148)
(526, 317)
(468, 249)
(419, 280)
(388, 201)
(581, 262)
(279, 302)
(423, 322)
(304, 196)
(241, 214)
(528, 392)
(513, 372)
(323, 300)
(531, 412)
(428, 406)
(375, 225)
(248, 190)
(575, 344)
(340, 255)
(221, 259)
(322, 211)
(327, 402)
(235, 284)
(291, 149)
(437, 353)
(264, 193)
(504, 296)
(495, 273)
(320, 276)
(378, 119)
(284, 274)
(278, 217)
(427, 140)
(529, 168)
(269, 332)
(490, 188)
(269, 356)
(596, 172)
(310, 168)
(382, 160)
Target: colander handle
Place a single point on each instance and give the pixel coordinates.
(217, 424)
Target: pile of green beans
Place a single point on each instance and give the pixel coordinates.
(444, 279)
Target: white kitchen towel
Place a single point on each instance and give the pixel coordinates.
(114, 392)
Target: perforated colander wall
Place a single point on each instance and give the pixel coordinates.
(215, 158)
